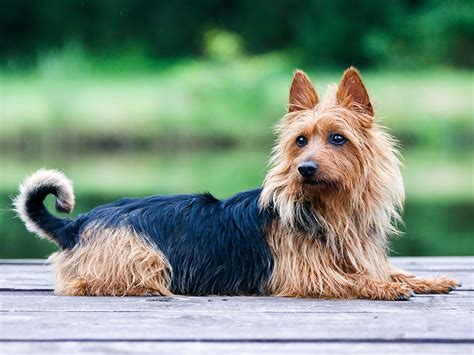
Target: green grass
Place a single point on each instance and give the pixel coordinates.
(239, 99)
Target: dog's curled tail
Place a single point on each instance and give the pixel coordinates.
(32, 211)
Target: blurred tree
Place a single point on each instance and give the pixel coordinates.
(320, 32)
(444, 33)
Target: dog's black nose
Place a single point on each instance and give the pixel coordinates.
(308, 168)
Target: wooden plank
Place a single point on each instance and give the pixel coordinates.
(26, 277)
(246, 326)
(219, 348)
(435, 263)
(34, 276)
(15, 302)
(23, 261)
(39, 321)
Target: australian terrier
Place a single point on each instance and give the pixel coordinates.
(318, 227)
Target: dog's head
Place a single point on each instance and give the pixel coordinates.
(331, 152)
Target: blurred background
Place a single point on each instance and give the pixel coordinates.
(135, 97)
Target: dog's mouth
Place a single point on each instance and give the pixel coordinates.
(313, 182)
(318, 183)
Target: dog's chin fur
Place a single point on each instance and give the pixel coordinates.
(318, 189)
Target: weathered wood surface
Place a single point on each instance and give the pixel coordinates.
(33, 319)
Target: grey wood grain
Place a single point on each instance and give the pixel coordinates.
(430, 263)
(240, 348)
(46, 302)
(425, 325)
(26, 277)
(23, 261)
(33, 319)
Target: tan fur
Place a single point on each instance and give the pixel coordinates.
(422, 285)
(111, 262)
(302, 93)
(342, 250)
(304, 268)
(352, 92)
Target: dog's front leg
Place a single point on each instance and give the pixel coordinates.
(440, 284)
(365, 286)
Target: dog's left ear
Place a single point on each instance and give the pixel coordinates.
(352, 93)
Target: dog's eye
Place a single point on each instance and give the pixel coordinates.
(301, 141)
(337, 139)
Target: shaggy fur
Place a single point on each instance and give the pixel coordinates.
(109, 261)
(319, 235)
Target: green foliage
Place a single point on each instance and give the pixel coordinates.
(436, 228)
(222, 46)
(437, 32)
(197, 100)
(330, 33)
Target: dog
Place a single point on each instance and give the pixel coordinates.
(318, 227)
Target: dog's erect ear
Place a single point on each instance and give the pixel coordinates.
(302, 93)
(352, 93)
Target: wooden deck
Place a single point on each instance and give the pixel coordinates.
(35, 320)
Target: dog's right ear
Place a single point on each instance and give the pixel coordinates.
(302, 93)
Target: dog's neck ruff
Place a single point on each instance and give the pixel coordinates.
(299, 218)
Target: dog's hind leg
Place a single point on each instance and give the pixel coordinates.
(111, 262)
(422, 285)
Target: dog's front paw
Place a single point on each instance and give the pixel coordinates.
(438, 285)
(404, 296)
(443, 285)
(399, 293)
(392, 292)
